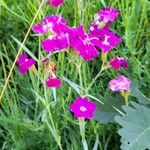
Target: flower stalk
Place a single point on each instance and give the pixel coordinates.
(125, 94)
(82, 132)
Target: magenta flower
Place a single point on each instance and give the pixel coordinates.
(121, 83)
(108, 14)
(25, 63)
(58, 30)
(97, 31)
(81, 42)
(53, 82)
(118, 62)
(55, 43)
(108, 40)
(49, 24)
(55, 3)
(39, 29)
(83, 108)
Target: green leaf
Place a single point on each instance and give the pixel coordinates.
(140, 96)
(109, 109)
(25, 48)
(135, 132)
(75, 86)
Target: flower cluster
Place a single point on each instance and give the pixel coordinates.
(88, 45)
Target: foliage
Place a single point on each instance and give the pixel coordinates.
(32, 117)
(135, 127)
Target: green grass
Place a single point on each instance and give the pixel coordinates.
(31, 117)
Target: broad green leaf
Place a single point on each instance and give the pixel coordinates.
(109, 109)
(140, 96)
(135, 132)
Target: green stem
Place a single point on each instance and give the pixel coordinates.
(96, 77)
(80, 78)
(125, 94)
(51, 124)
(126, 101)
(82, 133)
(80, 11)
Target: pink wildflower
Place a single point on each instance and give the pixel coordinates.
(118, 62)
(107, 40)
(81, 42)
(83, 108)
(108, 14)
(49, 24)
(53, 82)
(121, 83)
(55, 3)
(25, 63)
(58, 38)
(38, 28)
(97, 31)
(55, 43)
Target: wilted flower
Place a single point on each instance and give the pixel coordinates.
(121, 83)
(108, 14)
(53, 82)
(25, 63)
(83, 108)
(48, 66)
(55, 3)
(118, 62)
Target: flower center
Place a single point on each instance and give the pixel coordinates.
(26, 60)
(105, 42)
(83, 109)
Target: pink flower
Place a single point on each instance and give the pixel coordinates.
(55, 43)
(25, 63)
(58, 30)
(118, 62)
(55, 3)
(97, 31)
(81, 42)
(53, 82)
(108, 14)
(39, 29)
(121, 83)
(83, 108)
(49, 24)
(107, 40)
